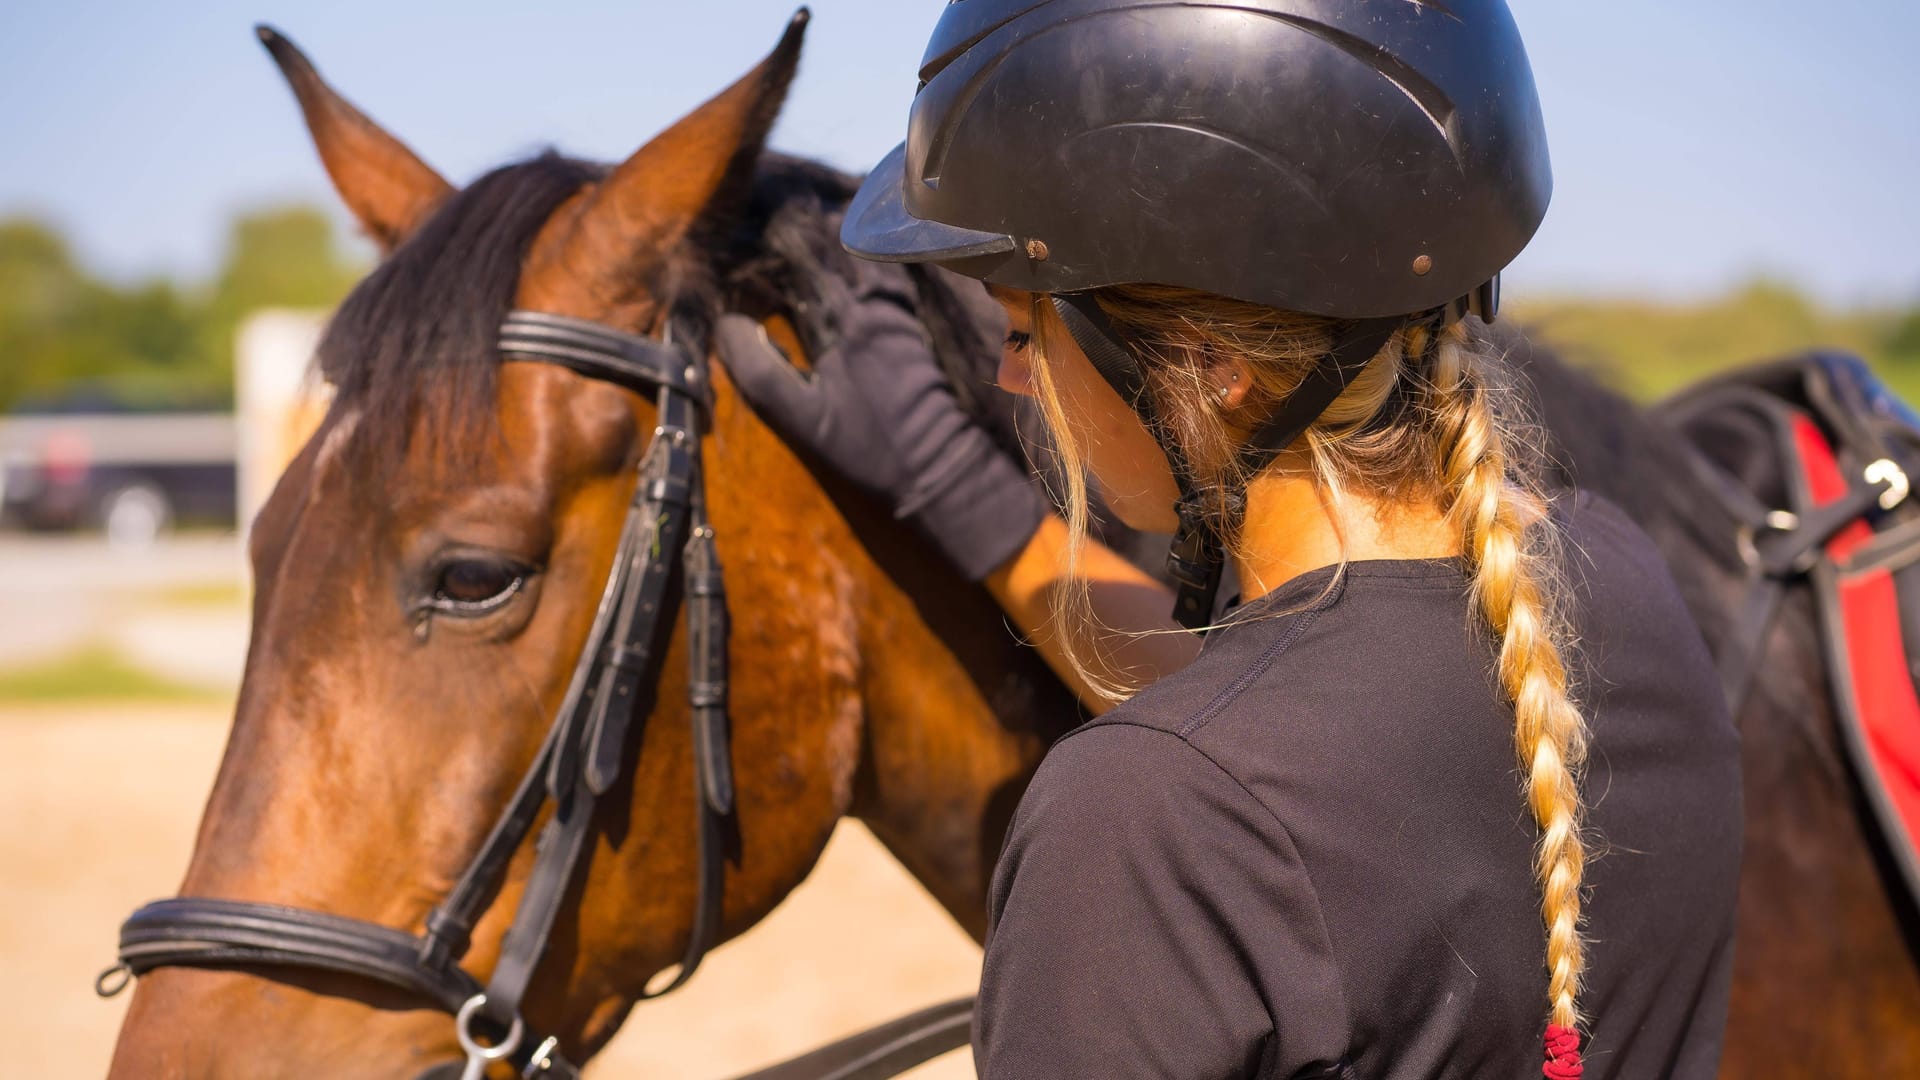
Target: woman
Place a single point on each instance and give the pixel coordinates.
(1455, 774)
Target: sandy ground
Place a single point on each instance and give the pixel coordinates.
(97, 812)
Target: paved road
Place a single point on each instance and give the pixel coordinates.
(62, 593)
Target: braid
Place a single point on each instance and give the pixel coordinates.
(1429, 419)
(1507, 540)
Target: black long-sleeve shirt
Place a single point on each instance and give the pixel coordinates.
(1307, 854)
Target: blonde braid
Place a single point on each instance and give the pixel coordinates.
(1411, 427)
(1508, 541)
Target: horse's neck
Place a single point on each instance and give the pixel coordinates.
(1599, 441)
(958, 715)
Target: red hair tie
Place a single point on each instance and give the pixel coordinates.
(1563, 1054)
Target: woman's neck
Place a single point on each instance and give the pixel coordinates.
(1289, 529)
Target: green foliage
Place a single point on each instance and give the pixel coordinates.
(155, 342)
(1648, 348)
(159, 342)
(281, 258)
(93, 673)
(1903, 341)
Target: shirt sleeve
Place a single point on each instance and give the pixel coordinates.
(1150, 918)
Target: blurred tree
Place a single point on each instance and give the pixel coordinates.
(278, 257)
(38, 276)
(1903, 343)
(282, 257)
(1650, 348)
(52, 315)
(152, 343)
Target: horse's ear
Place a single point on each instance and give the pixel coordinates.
(386, 186)
(700, 166)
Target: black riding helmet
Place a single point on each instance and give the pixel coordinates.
(1373, 161)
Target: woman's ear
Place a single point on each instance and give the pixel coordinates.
(1230, 379)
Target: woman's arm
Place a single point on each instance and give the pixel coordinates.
(876, 406)
(1132, 639)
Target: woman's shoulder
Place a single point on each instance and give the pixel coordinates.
(1136, 749)
(1626, 600)
(1134, 778)
(1603, 541)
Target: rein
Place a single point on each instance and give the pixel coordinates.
(585, 754)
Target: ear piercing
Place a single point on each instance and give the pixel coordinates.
(1225, 390)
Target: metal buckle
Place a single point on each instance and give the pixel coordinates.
(542, 1059)
(1884, 471)
(1744, 537)
(479, 1056)
(1191, 560)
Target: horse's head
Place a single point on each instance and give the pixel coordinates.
(426, 574)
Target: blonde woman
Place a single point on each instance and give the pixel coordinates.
(1450, 791)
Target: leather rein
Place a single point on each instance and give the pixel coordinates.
(586, 752)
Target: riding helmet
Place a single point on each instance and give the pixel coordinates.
(1348, 158)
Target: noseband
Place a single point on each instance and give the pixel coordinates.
(666, 539)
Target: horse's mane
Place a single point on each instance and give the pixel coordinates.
(426, 320)
(768, 259)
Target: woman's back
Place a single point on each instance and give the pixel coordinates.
(1308, 854)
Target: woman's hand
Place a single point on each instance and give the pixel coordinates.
(878, 409)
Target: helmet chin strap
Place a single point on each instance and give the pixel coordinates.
(1198, 554)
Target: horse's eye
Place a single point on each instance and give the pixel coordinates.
(476, 586)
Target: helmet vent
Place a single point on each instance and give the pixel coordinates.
(1430, 99)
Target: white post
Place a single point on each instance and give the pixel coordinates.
(278, 402)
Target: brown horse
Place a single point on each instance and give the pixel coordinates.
(426, 570)
(1825, 976)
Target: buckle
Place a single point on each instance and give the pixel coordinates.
(1884, 471)
(1194, 558)
(1193, 561)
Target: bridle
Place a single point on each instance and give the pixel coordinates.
(666, 541)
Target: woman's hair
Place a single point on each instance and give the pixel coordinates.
(1432, 420)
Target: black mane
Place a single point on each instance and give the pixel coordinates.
(423, 326)
(428, 317)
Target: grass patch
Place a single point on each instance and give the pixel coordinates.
(200, 596)
(93, 673)
(1650, 348)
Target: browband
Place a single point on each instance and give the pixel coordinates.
(601, 352)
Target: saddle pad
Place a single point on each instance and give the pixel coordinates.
(1878, 708)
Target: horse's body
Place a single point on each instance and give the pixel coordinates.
(1825, 982)
(372, 743)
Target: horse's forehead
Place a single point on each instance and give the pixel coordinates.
(335, 440)
(554, 417)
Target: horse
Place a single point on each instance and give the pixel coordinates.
(1826, 976)
(426, 567)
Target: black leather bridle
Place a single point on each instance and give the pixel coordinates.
(666, 539)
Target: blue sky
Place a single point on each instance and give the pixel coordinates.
(1695, 142)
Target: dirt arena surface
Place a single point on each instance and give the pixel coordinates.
(97, 812)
